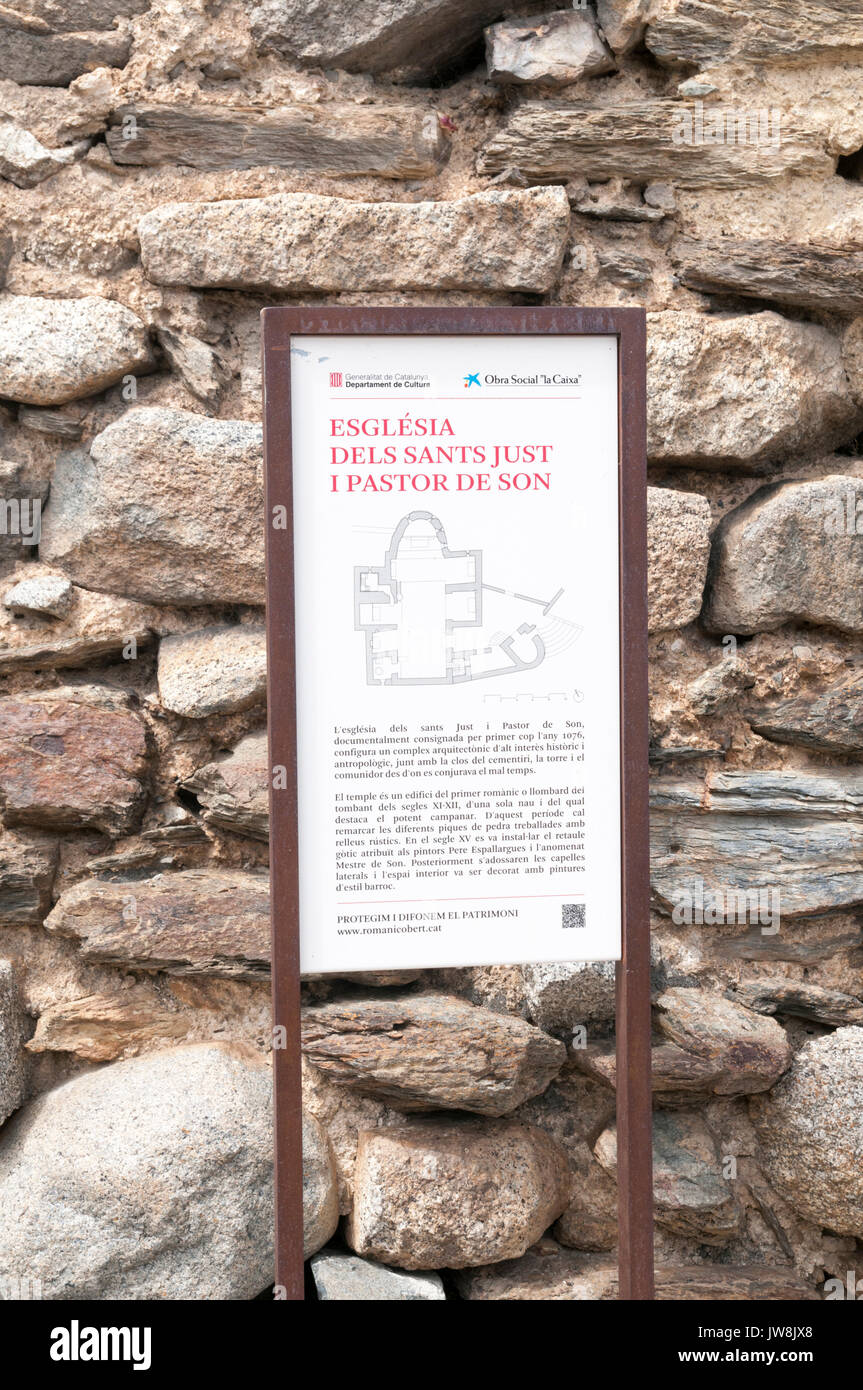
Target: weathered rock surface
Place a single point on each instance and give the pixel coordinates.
(674, 1074)
(102, 1027)
(345, 1115)
(551, 49)
(622, 22)
(682, 32)
(303, 242)
(743, 391)
(196, 363)
(748, 1051)
(34, 56)
(450, 1193)
(56, 350)
(348, 1279)
(334, 139)
(806, 942)
(811, 1132)
(14, 1030)
(28, 863)
(554, 1275)
(320, 1191)
(831, 722)
(234, 795)
(790, 840)
(430, 1052)
(691, 1197)
(68, 763)
(678, 547)
(166, 507)
(590, 1220)
(45, 596)
(800, 999)
(808, 276)
(416, 39)
(560, 997)
(23, 488)
(91, 627)
(791, 553)
(25, 161)
(196, 922)
(150, 1178)
(642, 141)
(215, 670)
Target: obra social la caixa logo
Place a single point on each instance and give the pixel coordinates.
(472, 379)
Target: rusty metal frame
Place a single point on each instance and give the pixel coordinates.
(634, 1117)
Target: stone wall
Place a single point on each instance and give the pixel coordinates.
(166, 170)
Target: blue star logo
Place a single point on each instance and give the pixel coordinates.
(472, 380)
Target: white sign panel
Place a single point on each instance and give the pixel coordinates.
(457, 619)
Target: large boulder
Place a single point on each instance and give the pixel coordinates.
(746, 1051)
(680, 32)
(150, 1178)
(811, 1132)
(167, 507)
(213, 670)
(455, 1192)
(431, 1052)
(55, 350)
(300, 243)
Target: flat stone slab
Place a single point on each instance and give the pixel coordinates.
(214, 670)
(195, 922)
(348, 1279)
(334, 139)
(304, 242)
(678, 548)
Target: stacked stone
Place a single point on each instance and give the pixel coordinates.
(165, 171)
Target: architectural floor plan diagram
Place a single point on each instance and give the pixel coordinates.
(430, 618)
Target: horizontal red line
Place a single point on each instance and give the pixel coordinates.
(483, 898)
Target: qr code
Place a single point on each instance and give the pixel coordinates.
(572, 915)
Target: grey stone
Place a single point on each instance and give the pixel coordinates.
(713, 31)
(214, 670)
(48, 596)
(25, 161)
(94, 626)
(643, 141)
(623, 22)
(808, 276)
(149, 1178)
(43, 59)
(743, 391)
(829, 722)
(800, 999)
(166, 507)
(196, 364)
(792, 840)
(746, 1051)
(790, 553)
(561, 996)
(195, 922)
(56, 350)
(234, 791)
(74, 16)
(28, 863)
(550, 49)
(678, 548)
(14, 1031)
(811, 1131)
(349, 1279)
(691, 1197)
(304, 242)
(430, 1052)
(454, 1192)
(416, 40)
(334, 138)
(320, 1191)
